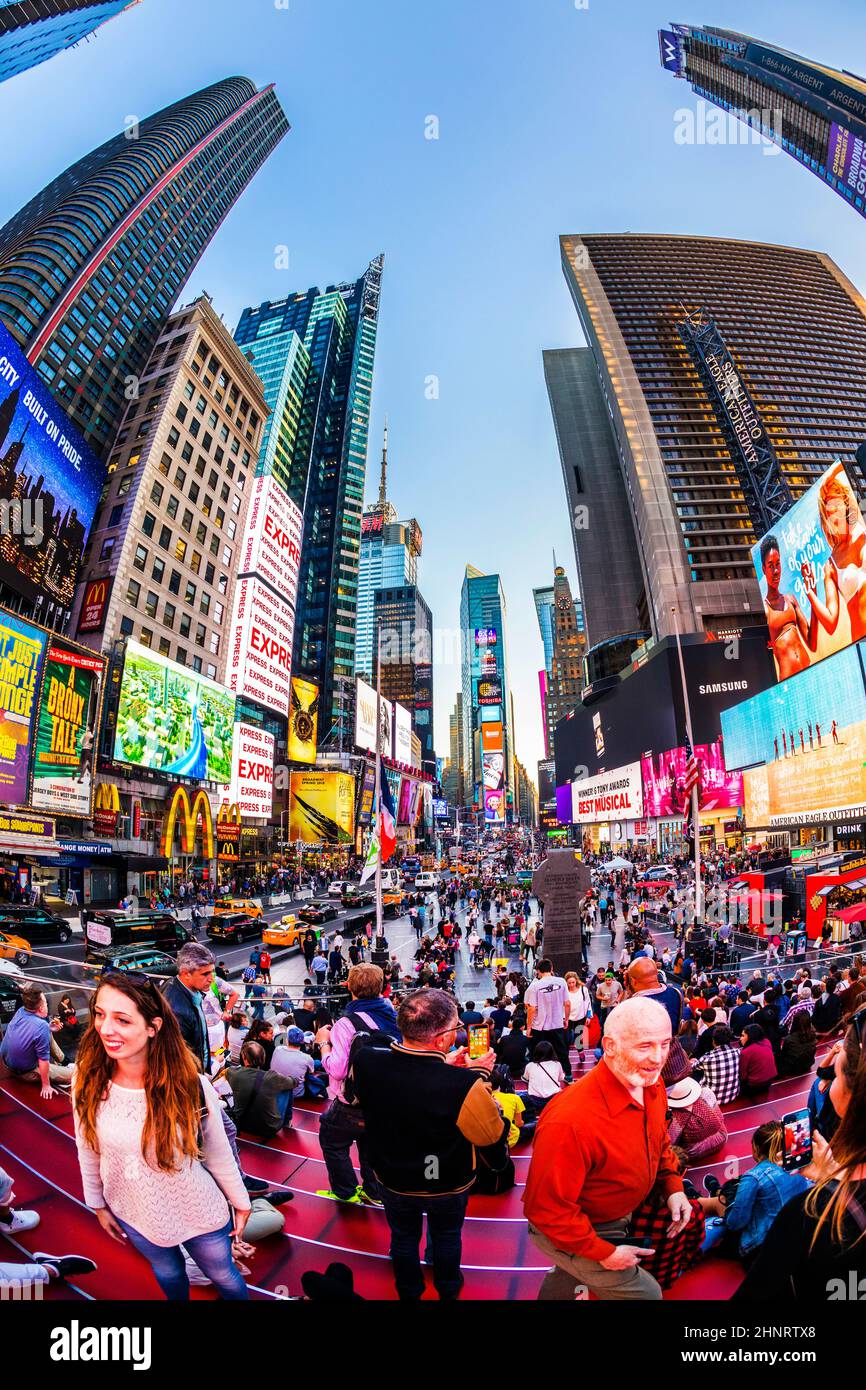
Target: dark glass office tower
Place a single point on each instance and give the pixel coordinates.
(789, 342)
(403, 631)
(32, 31)
(91, 267)
(814, 112)
(315, 354)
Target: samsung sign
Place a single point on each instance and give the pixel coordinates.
(722, 687)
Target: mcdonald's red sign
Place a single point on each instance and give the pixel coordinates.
(94, 605)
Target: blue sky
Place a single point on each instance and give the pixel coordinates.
(552, 119)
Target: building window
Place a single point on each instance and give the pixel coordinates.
(174, 582)
(171, 509)
(211, 671)
(146, 637)
(200, 634)
(156, 493)
(116, 516)
(133, 592)
(196, 664)
(148, 524)
(140, 558)
(195, 562)
(218, 610)
(189, 596)
(107, 548)
(181, 656)
(215, 644)
(127, 627)
(151, 604)
(158, 570)
(180, 550)
(165, 538)
(185, 624)
(168, 615)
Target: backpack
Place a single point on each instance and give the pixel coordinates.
(366, 1035)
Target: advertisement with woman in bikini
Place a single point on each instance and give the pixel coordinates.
(812, 573)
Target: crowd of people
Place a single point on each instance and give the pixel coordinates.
(617, 1076)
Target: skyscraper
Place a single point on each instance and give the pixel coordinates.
(608, 565)
(32, 31)
(452, 778)
(91, 267)
(390, 550)
(544, 599)
(403, 626)
(814, 112)
(669, 317)
(488, 725)
(322, 460)
(565, 676)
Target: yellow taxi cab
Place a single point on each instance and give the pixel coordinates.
(286, 933)
(14, 948)
(250, 907)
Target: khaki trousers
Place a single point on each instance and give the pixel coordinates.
(573, 1272)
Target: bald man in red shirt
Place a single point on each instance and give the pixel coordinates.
(599, 1149)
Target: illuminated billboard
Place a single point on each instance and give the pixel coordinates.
(488, 691)
(368, 792)
(615, 795)
(173, 720)
(494, 807)
(66, 731)
(321, 808)
(402, 735)
(664, 777)
(271, 547)
(365, 720)
(252, 786)
(22, 649)
(259, 665)
(486, 637)
(50, 482)
(812, 571)
(809, 737)
(303, 721)
(493, 771)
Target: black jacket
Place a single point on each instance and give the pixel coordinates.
(191, 1022)
(423, 1119)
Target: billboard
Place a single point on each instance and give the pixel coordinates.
(368, 792)
(491, 737)
(812, 572)
(402, 735)
(615, 795)
(50, 482)
(22, 649)
(809, 735)
(365, 720)
(404, 804)
(564, 805)
(440, 808)
(252, 786)
(486, 637)
(303, 721)
(66, 731)
(494, 807)
(671, 52)
(493, 771)
(271, 548)
(846, 158)
(664, 782)
(173, 720)
(259, 665)
(94, 604)
(321, 808)
(488, 691)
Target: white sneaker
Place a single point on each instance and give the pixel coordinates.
(21, 1221)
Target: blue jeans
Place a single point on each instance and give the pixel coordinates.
(284, 1105)
(445, 1216)
(212, 1253)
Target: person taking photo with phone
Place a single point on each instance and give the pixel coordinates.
(156, 1165)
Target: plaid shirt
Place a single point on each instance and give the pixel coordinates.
(673, 1255)
(721, 1069)
(803, 1006)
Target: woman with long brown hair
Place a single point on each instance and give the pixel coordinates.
(155, 1162)
(818, 1240)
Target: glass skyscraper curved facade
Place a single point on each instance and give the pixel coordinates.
(32, 31)
(91, 267)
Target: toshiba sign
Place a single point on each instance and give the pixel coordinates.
(259, 663)
(252, 783)
(616, 795)
(272, 542)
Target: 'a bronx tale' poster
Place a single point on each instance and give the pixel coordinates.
(66, 732)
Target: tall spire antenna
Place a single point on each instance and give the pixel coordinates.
(383, 480)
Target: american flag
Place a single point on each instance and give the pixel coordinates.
(693, 771)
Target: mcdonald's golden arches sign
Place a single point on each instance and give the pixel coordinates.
(228, 833)
(188, 814)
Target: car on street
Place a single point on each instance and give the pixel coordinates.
(36, 923)
(322, 910)
(234, 926)
(426, 882)
(112, 929)
(358, 897)
(125, 958)
(340, 887)
(662, 872)
(286, 933)
(14, 948)
(10, 998)
(250, 907)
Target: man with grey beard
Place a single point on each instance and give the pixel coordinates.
(599, 1149)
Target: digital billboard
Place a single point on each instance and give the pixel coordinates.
(66, 731)
(492, 737)
(365, 720)
(808, 737)
(664, 776)
(486, 637)
(252, 786)
(614, 795)
(50, 482)
(303, 721)
(22, 649)
(488, 691)
(321, 808)
(173, 720)
(494, 807)
(271, 547)
(440, 808)
(493, 771)
(812, 572)
(404, 803)
(402, 735)
(368, 792)
(259, 665)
